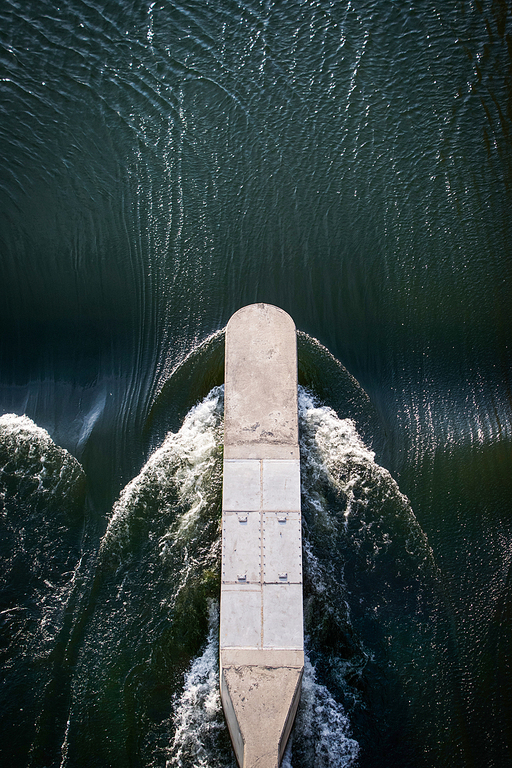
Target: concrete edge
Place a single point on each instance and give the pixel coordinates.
(261, 451)
(237, 740)
(261, 657)
(291, 715)
(262, 306)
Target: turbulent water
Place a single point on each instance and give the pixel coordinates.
(163, 164)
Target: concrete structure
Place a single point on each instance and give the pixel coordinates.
(261, 621)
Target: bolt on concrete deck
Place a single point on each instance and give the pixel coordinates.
(261, 619)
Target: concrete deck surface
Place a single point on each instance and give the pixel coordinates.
(261, 624)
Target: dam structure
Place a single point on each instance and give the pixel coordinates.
(261, 615)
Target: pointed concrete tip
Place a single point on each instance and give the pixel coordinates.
(262, 702)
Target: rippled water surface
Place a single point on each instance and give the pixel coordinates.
(163, 164)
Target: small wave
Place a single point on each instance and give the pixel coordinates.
(42, 491)
(179, 474)
(29, 455)
(374, 609)
(321, 736)
(158, 565)
(334, 455)
(42, 517)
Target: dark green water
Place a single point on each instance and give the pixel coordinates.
(163, 164)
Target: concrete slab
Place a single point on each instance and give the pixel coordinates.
(283, 625)
(240, 609)
(282, 549)
(241, 485)
(263, 657)
(241, 547)
(261, 623)
(281, 484)
(260, 450)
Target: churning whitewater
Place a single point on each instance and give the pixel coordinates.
(321, 728)
(154, 591)
(340, 480)
(180, 470)
(180, 473)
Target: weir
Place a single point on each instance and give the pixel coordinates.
(261, 618)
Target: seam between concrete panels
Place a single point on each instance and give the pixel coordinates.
(261, 552)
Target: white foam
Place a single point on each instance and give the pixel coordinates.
(321, 731)
(198, 718)
(20, 431)
(181, 466)
(333, 451)
(31, 452)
